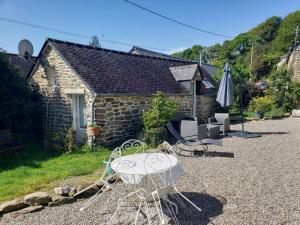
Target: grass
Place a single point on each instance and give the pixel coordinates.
(36, 169)
(274, 114)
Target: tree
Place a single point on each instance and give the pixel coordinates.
(190, 53)
(286, 33)
(95, 42)
(18, 111)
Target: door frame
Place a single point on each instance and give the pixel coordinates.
(80, 133)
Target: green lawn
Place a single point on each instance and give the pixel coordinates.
(275, 113)
(35, 169)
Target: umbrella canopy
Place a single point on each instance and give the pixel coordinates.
(225, 93)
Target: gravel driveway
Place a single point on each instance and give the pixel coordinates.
(247, 181)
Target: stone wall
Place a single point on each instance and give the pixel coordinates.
(205, 106)
(296, 64)
(121, 116)
(56, 100)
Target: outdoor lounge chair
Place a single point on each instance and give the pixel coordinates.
(221, 119)
(193, 141)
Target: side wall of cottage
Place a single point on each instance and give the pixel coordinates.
(56, 100)
(121, 116)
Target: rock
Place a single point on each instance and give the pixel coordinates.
(88, 191)
(12, 205)
(62, 190)
(72, 192)
(37, 198)
(57, 200)
(30, 209)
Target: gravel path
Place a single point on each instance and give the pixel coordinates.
(260, 185)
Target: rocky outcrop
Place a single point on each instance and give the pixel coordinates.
(57, 200)
(30, 209)
(37, 198)
(12, 205)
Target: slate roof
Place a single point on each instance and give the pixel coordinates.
(142, 51)
(184, 73)
(107, 71)
(211, 69)
(23, 64)
(206, 90)
(208, 71)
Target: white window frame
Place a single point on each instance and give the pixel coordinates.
(76, 114)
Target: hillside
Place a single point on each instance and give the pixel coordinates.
(270, 39)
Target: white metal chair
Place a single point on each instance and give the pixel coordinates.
(129, 147)
(170, 150)
(162, 185)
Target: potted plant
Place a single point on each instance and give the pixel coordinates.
(93, 129)
(262, 105)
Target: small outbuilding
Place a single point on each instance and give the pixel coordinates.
(79, 84)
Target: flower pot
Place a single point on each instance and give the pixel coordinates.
(259, 115)
(93, 131)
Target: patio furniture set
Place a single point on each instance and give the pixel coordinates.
(151, 179)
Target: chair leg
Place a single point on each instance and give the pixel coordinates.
(147, 212)
(158, 207)
(179, 200)
(171, 203)
(187, 199)
(137, 214)
(92, 199)
(171, 211)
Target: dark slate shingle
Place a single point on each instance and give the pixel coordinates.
(108, 71)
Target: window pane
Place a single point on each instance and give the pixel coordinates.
(82, 112)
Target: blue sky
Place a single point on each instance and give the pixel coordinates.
(117, 20)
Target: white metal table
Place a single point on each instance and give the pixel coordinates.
(132, 168)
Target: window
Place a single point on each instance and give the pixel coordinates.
(81, 112)
(51, 76)
(208, 84)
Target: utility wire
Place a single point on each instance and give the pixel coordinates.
(74, 34)
(176, 21)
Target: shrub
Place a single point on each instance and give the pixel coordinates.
(261, 104)
(154, 120)
(283, 89)
(70, 145)
(275, 113)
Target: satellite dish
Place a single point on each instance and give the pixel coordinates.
(25, 48)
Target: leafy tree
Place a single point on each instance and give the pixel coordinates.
(190, 53)
(95, 42)
(286, 33)
(18, 111)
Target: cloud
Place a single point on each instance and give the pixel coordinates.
(180, 49)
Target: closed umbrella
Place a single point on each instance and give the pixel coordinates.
(225, 92)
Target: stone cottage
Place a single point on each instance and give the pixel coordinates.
(80, 84)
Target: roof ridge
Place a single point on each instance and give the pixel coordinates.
(162, 54)
(189, 65)
(115, 51)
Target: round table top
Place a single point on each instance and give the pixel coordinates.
(143, 163)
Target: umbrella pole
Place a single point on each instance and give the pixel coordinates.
(241, 104)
